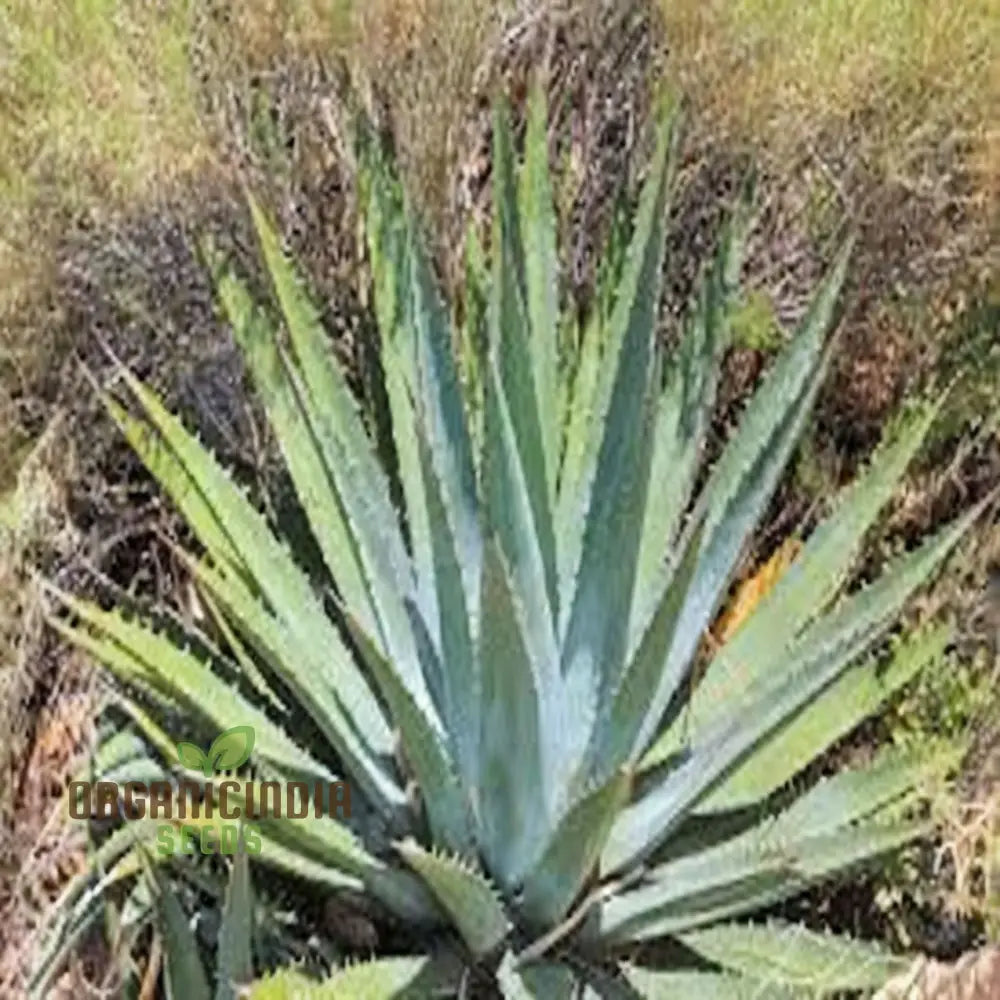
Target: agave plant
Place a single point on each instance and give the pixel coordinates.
(518, 573)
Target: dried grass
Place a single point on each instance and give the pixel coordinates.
(782, 71)
(974, 977)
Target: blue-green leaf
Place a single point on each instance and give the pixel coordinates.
(541, 273)
(684, 408)
(600, 550)
(856, 696)
(821, 657)
(466, 896)
(183, 973)
(573, 851)
(513, 801)
(425, 749)
(513, 389)
(349, 455)
(234, 961)
(759, 645)
(782, 954)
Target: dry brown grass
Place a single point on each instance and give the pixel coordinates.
(975, 977)
(106, 104)
(881, 112)
(782, 71)
(42, 848)
(110, 105)
(419, 62)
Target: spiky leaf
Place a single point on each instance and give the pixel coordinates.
(235, 950)
(781, 954)
(573, 852)
(382, 979)
(536, 980)
(470, 901)
(660, 985)
(183, 975)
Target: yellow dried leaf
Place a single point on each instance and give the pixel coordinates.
(754, 589)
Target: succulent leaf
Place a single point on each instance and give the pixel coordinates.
(381, 979)
(726, 532)
(536, 981)
(829, 826)
(599, 550)
(821, 657)
(80, 905)
(573, 852)
(134, 652)
(201, 488)
(684, 407)
(465, 894)
(315, 679)
(436, 387)
(856, 696)
(183, 974)
(811, 580)
(457, 667)
(235, 947)
(425, 749)
(307, 464)
(620, 726)
(541, 272)
(512, 805)
(778, 953)
(659, 985)
(512, 350)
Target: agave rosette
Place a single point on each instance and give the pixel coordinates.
(518, 574)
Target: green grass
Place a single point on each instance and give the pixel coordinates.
(98, 97)
(754, 324)
(782, 70)
(97, 109)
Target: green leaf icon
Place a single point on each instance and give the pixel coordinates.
(232, 748)
(194, 758)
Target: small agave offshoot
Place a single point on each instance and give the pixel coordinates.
(520, 557)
